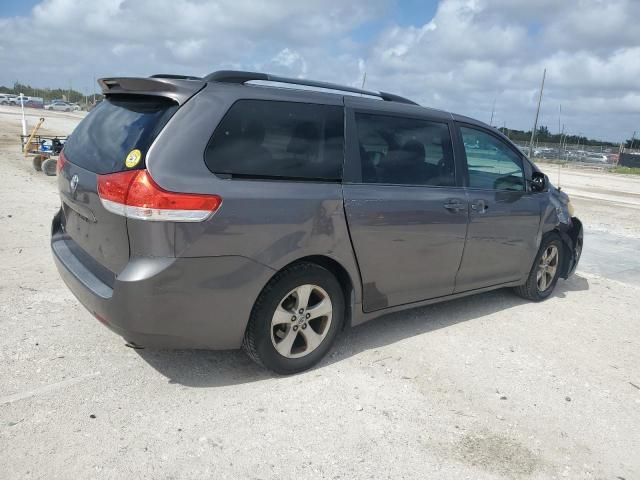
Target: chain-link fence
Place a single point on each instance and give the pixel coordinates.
(603, 156)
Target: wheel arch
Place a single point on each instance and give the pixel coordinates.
(572, 239)
(338, 271)
(567, 247)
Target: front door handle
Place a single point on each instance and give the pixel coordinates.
(479, 206)
(455, 205)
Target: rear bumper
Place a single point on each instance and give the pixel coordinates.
(168, 302)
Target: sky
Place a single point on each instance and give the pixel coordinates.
(455, 55)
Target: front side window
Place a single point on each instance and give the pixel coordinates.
(279, 140)
(404, 151)
(491, 163)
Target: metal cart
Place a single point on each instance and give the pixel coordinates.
(44, 149)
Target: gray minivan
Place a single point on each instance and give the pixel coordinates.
(250, 210)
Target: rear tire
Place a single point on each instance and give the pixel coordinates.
(288, 334)
(545, 271)
(49, 167)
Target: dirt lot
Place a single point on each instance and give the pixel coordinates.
(487, 387)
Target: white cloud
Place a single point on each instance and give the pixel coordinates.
(291, 60)
(469, 53)
(473, 51)
(186, 50)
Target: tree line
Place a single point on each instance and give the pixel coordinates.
(49, 94)
(544, 135)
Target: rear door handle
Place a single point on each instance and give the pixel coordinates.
(455, 205)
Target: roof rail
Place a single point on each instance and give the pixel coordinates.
(175, 77)
(238, 76)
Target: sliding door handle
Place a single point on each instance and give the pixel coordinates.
(479, 206)
(455, 205)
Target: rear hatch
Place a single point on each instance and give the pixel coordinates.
(113, 138)
(103, 144)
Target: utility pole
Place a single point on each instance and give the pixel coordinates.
(364, 79)
(24, 121)
(559, 115)
(633, 137)
(535, 123)
(493, 109)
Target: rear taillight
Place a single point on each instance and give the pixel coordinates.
(60, 163)
(134, 194)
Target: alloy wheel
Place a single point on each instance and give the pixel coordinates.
(301, 321)
(547, 268)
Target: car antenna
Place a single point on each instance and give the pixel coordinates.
(559, 167)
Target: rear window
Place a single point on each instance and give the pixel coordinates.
(118, 125)
(279, 140)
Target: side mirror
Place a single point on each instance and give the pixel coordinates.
(539, 182)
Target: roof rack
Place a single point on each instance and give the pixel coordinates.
(175, 77)
(238, 76)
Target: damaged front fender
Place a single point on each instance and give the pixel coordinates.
(572, 236)
(559, 218)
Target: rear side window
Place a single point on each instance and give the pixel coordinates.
(279, 140)
(405, 151)
(118, 125)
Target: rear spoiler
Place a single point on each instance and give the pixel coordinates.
(178, 89)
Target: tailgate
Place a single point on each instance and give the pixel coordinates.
(100, 233)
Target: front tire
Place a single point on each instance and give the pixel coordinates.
(545, 271)
(296, 319)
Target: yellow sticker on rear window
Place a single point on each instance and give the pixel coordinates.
(133, 158)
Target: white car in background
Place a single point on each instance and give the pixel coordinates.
(59, 106)
(596, 157)
(8, 99)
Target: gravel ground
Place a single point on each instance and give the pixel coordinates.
(486, 387)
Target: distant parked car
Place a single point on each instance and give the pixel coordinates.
(34, 103)
(75, 107)
(59, 106)
(596, 157)
(8, 99)
(545, 152)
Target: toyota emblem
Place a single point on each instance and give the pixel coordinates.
(73, 184)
